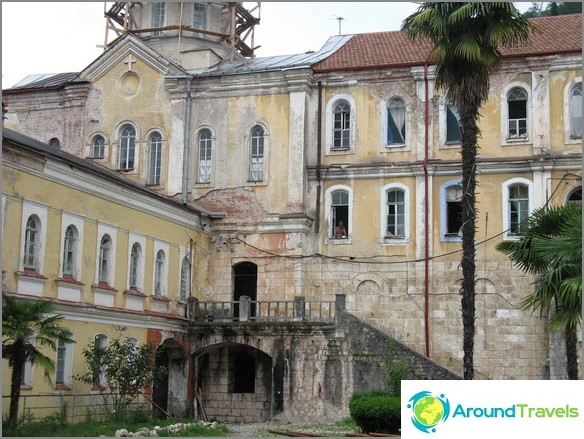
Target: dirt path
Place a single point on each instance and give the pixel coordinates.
(260, 429)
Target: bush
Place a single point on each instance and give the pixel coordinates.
(376, 411)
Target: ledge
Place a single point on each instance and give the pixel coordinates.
(68, 280)
(31, 273)
(104, 287)
(161, 298)
(134, 292)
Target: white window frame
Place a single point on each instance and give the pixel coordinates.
(67, 220)
(158, 18)
(67, 362)
(406, 123)
(154, 176)
(570, 193)
(330, 149)
(121, 141)
(165, 248)
(329, 215)
(569, 139)
(183, 293)
(505, 139)
(103, 230)
(211, 141)
(505, 191)
(394, 240)
(205, 17)
(29, 209)
(444, 210)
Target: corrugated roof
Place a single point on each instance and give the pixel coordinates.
(557, 34)
(45, 80)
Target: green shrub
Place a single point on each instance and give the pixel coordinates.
(376, 411)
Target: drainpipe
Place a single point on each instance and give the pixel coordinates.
(187, 141)
(318, 160)
(426, 207)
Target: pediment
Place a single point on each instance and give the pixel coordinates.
(129, 49)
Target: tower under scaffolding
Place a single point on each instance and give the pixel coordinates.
(237, 36)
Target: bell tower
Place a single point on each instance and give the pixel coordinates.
(195, 35)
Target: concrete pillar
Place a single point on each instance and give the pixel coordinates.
(299, 308)
(244, 308)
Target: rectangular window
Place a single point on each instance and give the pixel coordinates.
(395, 214)
(60, 366)
(518, 208)
(200, 16)
(158, 13)
(453, 210)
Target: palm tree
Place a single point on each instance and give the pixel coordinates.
(551, 247)
(18, 318)
(465, 38)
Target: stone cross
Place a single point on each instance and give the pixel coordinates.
(129, 61)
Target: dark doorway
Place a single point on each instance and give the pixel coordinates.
(160, 387)
(245, 282)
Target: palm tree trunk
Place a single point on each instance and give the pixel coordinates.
(16, 382)
(470, 133)
(572, 352)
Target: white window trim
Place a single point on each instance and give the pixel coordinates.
(141, 240)
(68, 369)
(213, 156)
(443, 216)
(383, 214)
(182, 253)
(158, 245)
(247, 141)
(568, 140)
(164, 19)
(30, 208)
(505, 192)
(106, 148)
(385, 125)
(162, 150)
(329, 122)
(442, 126)
(504, 124)
(103, 229)
(116, 149)
(329, 219)
(79, 223)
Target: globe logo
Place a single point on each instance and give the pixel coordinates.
(428, 410)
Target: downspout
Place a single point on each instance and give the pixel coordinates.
(318, 159)
(426, 207)
(187, 141)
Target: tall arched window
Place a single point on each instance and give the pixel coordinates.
(576, 111)
(69, 251)
(63, 365)
(105, 248)
(31, 242)
(155, 158)
(185, 278)
(256, 155)
(127, 147)
(98, 147)
(339, 214)
(517, 112)
(159, 273)
(396, 122)
(341, 125)
(205, 156)
(135, 255)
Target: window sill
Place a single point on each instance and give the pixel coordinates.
(516, 140)
(27, 272)
(395, 145)
(25, 387)
(160, 298)
(134, 292)
(97, 387)
(69, 280)
(61, 386)
(340, 241)
(395, 240)
(104, 287)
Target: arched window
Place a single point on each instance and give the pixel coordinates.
(453, 133)
(135, 255)
(105, 248)
(256, 155)
(576, 111)
(55, 143)
(70, 251)
(575, 196)
(205, 155)
(340, 214)
(341, 125)
(159, 273)
(185, 278)
(127, 147)
(517, 112)
(396, 122)
(98, 147)
(31, 242)
(395, 213)
(155, 158)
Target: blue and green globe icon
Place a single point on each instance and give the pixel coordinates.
(428, 410)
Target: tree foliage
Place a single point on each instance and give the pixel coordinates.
(126, 370)
(19, 317)
(542, 9)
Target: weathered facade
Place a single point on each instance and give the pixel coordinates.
(281, 149)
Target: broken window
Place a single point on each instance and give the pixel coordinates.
(453, 210)
(341, 124)
(396, 122)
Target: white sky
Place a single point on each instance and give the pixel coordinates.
(49, 37)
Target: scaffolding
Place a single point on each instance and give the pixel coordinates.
(120, 20)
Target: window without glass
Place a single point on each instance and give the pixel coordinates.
(518, 207)
(341, 125)
(205, 154)
(256, 156)
(453, 133)
(243, 372)
(453, 210)
(105, 248)
(340, 213)
(155, 159)
(158, 14)
(396, 122)
(395, 213)
(576, 111)
(158, 273)
(98, 147)
(185, 278)
(55, 143)
(575, 197)
(31, 242)
(127, 147)
(69, 250)
(517, 112)
(135, 254)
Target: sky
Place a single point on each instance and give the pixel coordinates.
(64, 37)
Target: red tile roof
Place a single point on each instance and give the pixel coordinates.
(557, 34)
